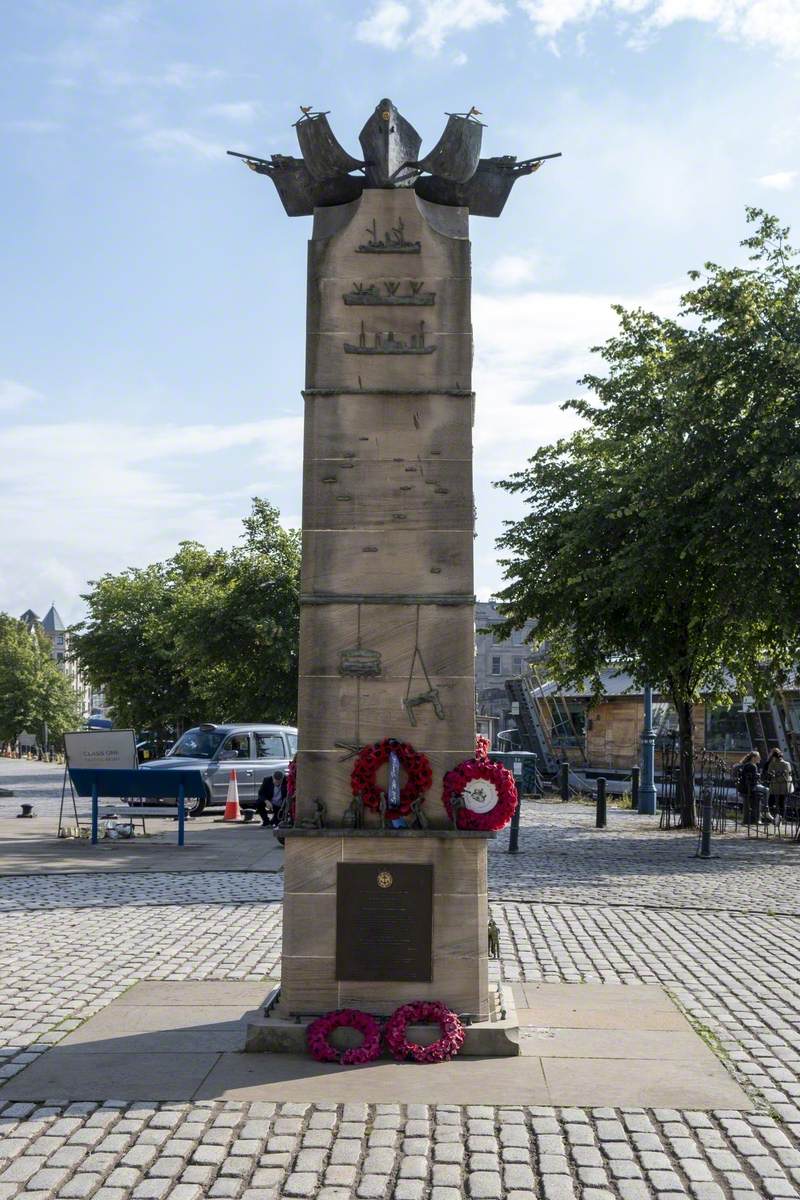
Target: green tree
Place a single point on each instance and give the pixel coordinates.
(664, 535)
(203, 636)
(35, 695)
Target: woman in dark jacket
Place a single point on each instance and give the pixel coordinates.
(272, 797)
(747, 781)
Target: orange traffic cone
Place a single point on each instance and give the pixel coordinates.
(232, 810)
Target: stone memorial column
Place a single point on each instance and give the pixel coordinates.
(380, 909)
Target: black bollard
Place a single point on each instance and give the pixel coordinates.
(513, 832)
(564, 781)
(600, 818)
(705, 827)
(635, 789)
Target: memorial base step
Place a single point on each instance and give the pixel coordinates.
(496, 1038)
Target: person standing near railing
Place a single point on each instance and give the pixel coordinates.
(746, 776)
(779, 781)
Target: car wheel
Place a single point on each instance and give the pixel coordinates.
(197, 805)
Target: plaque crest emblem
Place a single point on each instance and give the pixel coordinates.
(385, 879)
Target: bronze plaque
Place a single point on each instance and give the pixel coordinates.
(384, 922)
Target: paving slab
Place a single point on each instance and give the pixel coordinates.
(634, 1044)
(33, 846)
(645, 1083)
(71, 1073)
(597, 1006)
(289, 1077)
(154, 1040)
(210, 993)
(160, 1029)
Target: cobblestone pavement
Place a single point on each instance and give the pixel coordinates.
(626, 905)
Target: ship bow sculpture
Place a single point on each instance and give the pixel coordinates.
(452, 173)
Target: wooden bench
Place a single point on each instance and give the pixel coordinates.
(115, 784)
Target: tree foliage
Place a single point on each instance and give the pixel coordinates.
(203, 636)
(34, 693)
(664, 535)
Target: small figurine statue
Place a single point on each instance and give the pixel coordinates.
(354, 814)
(419, 820)
(456, 804)
(494, 939)
(317, 819)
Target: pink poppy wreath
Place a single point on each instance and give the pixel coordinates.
(291, 779)
(420, 1013)
(319, 1032)
(487, 807)
(416, 766)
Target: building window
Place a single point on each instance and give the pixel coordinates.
(727, 729)
(496, 665)
(516, 664)
(569, 726)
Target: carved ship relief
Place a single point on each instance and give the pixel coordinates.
(372, 294)
(394, 241)
(389, 343)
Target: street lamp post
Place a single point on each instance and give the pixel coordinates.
(647, 787)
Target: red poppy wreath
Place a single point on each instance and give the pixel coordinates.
(488, 792)
(319, 1033)
(416, 766)
(418, 1013)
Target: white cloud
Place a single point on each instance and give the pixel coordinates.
(15, 395)
(166, 141)
(772, 23)
(425, 25)
(780, 181)
(147, 489)
(385, 25)
(242, 111)
(528, 346)
(441, 18)
(512, 270)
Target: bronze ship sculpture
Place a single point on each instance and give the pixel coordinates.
(452, 173)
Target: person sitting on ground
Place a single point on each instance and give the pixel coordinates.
(779, 781)
(272, 798)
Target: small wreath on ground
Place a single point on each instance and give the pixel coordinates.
(487, 791)
(319, 1032)
(365, 768)
(422, 1012)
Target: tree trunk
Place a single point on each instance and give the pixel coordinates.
(686, 765)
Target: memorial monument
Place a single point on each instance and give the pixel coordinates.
(385, 871)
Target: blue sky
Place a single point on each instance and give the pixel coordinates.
(153, 289)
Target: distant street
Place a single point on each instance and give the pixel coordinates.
(31, 782)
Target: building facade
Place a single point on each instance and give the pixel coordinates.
(92, 700)
(497, 659)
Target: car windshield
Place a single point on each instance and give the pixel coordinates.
(197, 743)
